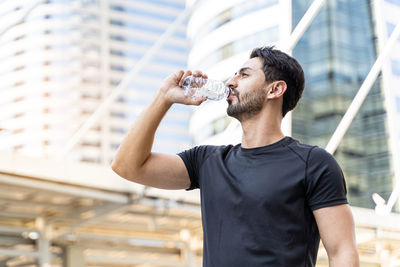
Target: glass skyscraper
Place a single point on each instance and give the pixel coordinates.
(337, 52)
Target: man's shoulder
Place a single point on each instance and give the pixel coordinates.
(207, 150)
(299, 145)
(220, 150)
(213, 148)
(301, 149)
(311, 154)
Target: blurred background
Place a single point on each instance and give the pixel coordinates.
(74, 76)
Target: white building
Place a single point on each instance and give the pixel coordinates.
(222, 34)
(65, 58)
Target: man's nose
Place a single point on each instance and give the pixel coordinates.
(231, 82)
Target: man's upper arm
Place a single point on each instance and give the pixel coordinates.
(336, 228)
(165, 171)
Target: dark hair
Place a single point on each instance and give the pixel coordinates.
(279, 66)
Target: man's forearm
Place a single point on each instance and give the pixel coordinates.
(136, 147)
(135, 151)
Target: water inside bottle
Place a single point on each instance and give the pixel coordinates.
(200, 87)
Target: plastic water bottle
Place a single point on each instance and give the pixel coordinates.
(201, 87)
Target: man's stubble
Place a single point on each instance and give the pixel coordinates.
(248, 104)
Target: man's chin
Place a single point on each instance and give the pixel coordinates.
(231, 111)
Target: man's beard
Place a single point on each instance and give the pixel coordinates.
(248, 104)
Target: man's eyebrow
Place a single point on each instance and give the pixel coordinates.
(243, 69)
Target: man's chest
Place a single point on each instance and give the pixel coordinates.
(253, 182)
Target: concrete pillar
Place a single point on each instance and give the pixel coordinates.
(44, 251)
(189, 256)
(188, 250)
(43, 242)
(74, 257)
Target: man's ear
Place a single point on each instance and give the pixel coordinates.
(276, 89)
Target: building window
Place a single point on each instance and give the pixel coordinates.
(396, 67)
(224, 17)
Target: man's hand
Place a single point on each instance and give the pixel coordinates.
(171, 88)
(336, 228)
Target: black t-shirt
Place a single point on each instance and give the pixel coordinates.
(257, 203)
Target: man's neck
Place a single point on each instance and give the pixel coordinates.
(261, 130)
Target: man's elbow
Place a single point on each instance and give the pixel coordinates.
(121, 170)
(127, 171)
(115, 166)
(344, 257)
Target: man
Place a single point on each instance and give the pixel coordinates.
(266, 201)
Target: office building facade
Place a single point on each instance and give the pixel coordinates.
(63, 60)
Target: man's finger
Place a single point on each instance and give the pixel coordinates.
(197, 73)
(179, 75)
(197, 101)
(186, 74)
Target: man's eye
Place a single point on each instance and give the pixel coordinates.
(244, 74)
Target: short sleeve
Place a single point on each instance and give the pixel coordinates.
(193, 159)
(325, 183)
